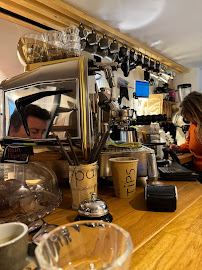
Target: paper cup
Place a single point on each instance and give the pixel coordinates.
(83, 181)
(124, 175)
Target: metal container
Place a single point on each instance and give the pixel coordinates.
(139, 153)
(152, 167)
(125, 113)
(128, 135)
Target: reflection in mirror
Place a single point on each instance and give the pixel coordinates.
(52, 115)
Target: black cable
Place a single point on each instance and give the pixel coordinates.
(24, 19)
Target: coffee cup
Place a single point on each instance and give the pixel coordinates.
(93, 38)
(145, 62)
(139, 59)
(82, 31)
(124, 175)
(91, 48)
(151, 64)
(112, 56)
(13, 245)
(101, 52)
(83, 44)
(104, 42)
(157, 67)
(114, 47)
(123, 51)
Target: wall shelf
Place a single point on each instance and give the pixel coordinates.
(58, 15)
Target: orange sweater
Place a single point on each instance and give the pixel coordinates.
(195, 147)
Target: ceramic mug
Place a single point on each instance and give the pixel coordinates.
(93, 38)
(112, 56)
(101, 52)
(145, 62)
(82, 31)
(123, 51)
(13, 245)
(104, 43)
(91, 48)
(139, 59)
(83, 44)
(151, 64)
(157, 67)
(114, 47)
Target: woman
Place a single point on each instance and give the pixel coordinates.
(191, 110)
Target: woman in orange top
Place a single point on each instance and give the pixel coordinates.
(191, 110)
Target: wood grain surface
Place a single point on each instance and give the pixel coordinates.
(153, 233)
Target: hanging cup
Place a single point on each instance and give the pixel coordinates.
(151, 64)
(101, 53)
(114, 47)
(157, 67)
(112, 56)
(139, 59)
(104, 42)
(82, 31)
(145, 62)
(92, 38)
(123, 52)
(91, 48)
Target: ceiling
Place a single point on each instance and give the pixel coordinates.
(170, 27)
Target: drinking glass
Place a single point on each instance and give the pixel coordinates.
(53, 44)
(84, 245)
(31, 45)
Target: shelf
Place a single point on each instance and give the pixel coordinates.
(58, 15)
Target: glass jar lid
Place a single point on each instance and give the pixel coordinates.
(94, 207)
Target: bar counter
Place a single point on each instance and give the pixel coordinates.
(162, 240)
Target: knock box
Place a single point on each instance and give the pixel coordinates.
(162, 198)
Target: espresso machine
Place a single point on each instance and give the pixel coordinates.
(59, 86)
(120, 122)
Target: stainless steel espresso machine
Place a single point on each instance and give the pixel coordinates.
(121, 123)
(61, 87)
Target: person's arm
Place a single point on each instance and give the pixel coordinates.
(183, 148)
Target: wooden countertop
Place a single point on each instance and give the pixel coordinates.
(157, 236)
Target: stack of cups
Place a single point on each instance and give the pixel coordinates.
(52, 44)
(32, 47)
(71, 41)
(83, 181)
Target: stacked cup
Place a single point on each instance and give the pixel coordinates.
(52, 44)
(71, 41)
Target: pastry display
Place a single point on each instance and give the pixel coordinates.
(31, 193)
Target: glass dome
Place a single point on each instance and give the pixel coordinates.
(27, 192)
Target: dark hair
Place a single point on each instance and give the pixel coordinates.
(29, 110)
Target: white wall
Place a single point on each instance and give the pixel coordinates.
(194, 77)
(10, 34)
(200, 80)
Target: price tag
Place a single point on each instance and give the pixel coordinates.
(16, 154)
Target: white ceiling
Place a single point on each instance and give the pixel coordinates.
(171, 27)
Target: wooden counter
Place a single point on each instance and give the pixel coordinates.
(157, 236)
